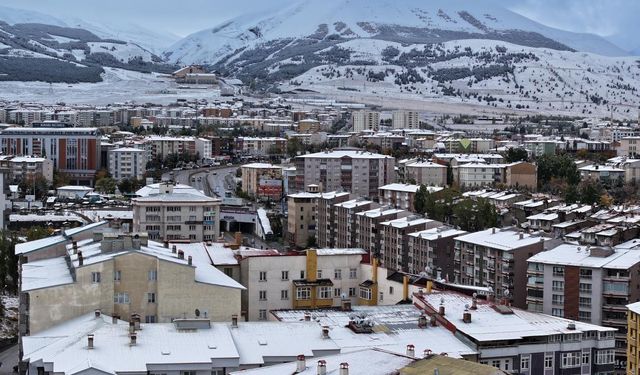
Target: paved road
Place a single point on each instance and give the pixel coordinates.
(9, 358)
(212, 181)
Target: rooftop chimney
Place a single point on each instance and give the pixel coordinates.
(132, 326)
(433, 321)
(190, 260)
(474, 302)
(180, 254)
(571, 326)
(325, 332)
(322, 367)
(114, 320)
(134, 339)
(90, 341)
(411, 351)
(466, 316)
(427, 353)
(75, 246)
(441, 310)
(97, 313)
(344, 368)
(301, 363)
(493, 230)
(166, 244)
(234, 321)
(80, 259)
(521, 236)
(307, 317)
(422, 321)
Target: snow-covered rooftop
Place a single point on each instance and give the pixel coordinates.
(354, 154)
(501, 239)
(154, 189)
(581, 256)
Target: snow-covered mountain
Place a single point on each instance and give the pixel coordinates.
(406, 21)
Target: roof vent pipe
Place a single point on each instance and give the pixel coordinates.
(322, 367)
(234, 321)
(90, 341)
(134, 339)
(344, 368)
(411, 350)
(80, 258)
(301, 363)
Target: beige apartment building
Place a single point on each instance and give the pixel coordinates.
(20, 168)
(344, 220)
(406, 120)
(325, 229)
(172, 216)
(521, 175)
(126, 276)
(366, 120)
(301, 218)
(427, 173)
(358, 172)
(127, 162)
(262, 180)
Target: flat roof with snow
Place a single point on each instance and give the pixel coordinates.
(501, 239)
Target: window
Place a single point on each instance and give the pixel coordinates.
(150, 319)
(507, 365)
(324, 292)
(586, 288)
(558, 271)
(262, 314)
(390, 290)
(548, 361)
(303, 293)
(302, 274)
(337, 274)
(558, 312)
(524, 362)
(584, 316)
(584, 302)
(319, 274)
(337, 292)
(586, 358)
(151, 297)
(605, 357)
(192, 227)
(187, 373)
(284, 275)
(365, 293)
(495, 363)
(262, 295)
(121, 298)
(381, 297)
(558, 286)
(95, 277)
(192, 208)
(585, 273)
(352, 292)
(353, 273)
(284, 294)
(263, 276)
(557, 299)
(117, 276)
(572, 359)
(217, 372)
(152, 275)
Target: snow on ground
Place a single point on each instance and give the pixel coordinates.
(61, 39)
(118, 86)
(122, 52)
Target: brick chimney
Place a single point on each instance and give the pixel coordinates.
(234, 321)
(180, 254)
(344, 368)
(80, 259)
(466, 316)
(134, 339)
(190, 260)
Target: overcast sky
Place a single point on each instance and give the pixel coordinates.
(615, 19)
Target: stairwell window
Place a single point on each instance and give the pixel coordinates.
(151, 297)
(152, 275)
(117, 275)
(121, 298)
(263, 276)
(95, 277)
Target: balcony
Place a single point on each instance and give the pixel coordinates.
(611, 307)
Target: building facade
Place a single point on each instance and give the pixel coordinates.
(127, 162)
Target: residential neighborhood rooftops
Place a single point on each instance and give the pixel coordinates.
(502, 239)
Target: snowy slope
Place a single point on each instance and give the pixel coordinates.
(13, 16)
(372, 19)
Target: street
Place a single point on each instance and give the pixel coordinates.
(212, 181)
(9, 358)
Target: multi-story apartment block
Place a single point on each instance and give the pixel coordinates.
(521, 342)
(359, 172)
(629, 147)
(394, 249)
(262, 180)
(406, 120)
(366, 120)
(431, 251)
(496, 258)
(477, 174)
(589, 284)
(344, 221)
(301, 218)
(19, 168)
(162, 146)
(172, 216)
(260, 146)
(325, 230)
(368, 223)
(521, 175)
(122, 275)
(319, 278)
(397, 195)
(204, 148)
(127, 162)
(426, 173)
(633, 338)
(606, 174)
(73, 151)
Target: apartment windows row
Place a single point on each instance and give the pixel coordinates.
(304, 293)
(96, 277)
(337, 274)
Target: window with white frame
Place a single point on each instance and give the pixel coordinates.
(284, 294)
(548, 361)
(337, 292)
(337, 274)
(352, 292)
(303, 293)
(365, 293)
(117, 275)
(353, 273)
(284, 275)
(586, 358)
(95, 277)
(151, 297)
(524, 362)
(121, 298)
(152, 275)
(262, 276)
(605, 357)
(571, 359)
(262, 314)
(324, 292)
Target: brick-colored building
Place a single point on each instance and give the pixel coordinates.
(262, 180)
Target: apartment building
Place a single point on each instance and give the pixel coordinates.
(496, 258)
(319, 278)
(368, 223)
(359, 172)
(432, 251)
(20, 168)
(394, 250)
(253, 146)
(397, 195)
(518, 341)
(587, 283)
(127, 162)
(73, 151)
(365, 120)
(629, 147)
(170, 216)
(262, 180)
(325, 229)
(344, 221)
(406, 120)
(633, 338)
(478, 174)
(204, 148)
(606, 174)
(521, 175)
(123, 275)
(309, 126)
(301, 218)
(426, 173)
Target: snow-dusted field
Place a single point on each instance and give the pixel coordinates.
(118, 86)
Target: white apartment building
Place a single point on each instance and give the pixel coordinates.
(365, 120)
(172, 216)
(26, 167)
(406, 120)
(204, 148)
(427, 173)
(476, 174)
(127, 162)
